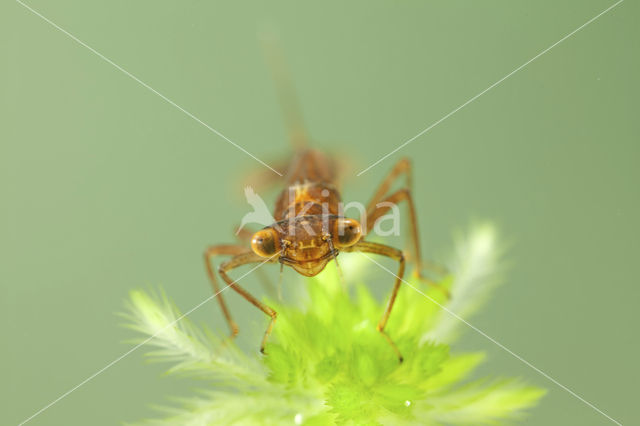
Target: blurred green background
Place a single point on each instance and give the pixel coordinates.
(106, 187)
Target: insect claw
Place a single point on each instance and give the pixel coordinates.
(380, 328)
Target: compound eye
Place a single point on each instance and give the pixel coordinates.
(347, 232)
(265, 243)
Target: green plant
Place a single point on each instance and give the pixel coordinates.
(327, 364)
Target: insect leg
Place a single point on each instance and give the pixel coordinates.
(401, 167)
(395, 198)
(221, 250)
(400, 195)
(245, 235)
(244, 259)
(395, 254)
(374, 213)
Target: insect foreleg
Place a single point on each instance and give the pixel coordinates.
(395, 254)
(221, 250)
(244, 259)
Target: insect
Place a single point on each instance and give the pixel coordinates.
(309, 229)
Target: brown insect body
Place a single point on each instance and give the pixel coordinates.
(309, 228)
(307, 212)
